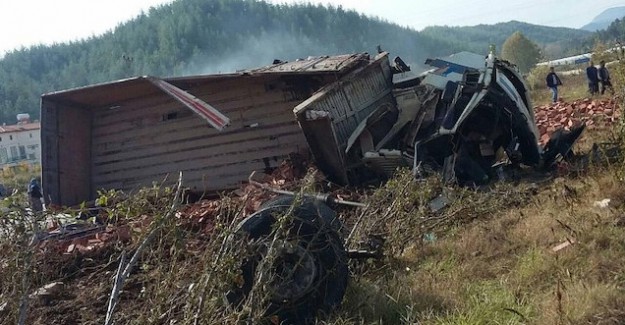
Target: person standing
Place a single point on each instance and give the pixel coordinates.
(604, 78)
(593, 79)
(34, 196)
(553, 82)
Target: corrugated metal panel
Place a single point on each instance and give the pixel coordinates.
(346, 103)
(315, 64)
(467, 59)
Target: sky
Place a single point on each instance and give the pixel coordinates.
(24, 23)
(419, 14)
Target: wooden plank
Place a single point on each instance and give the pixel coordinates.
(246, 140)
(204, 159)
(126, 131)
(214, 144)
(240, 95)
(143, 145)
(104, 117)
(202, 179)
(197, 159)
(239, 168)
(276, 153)
(240, 117)
(243, 86)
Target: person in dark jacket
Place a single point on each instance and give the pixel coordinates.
(35, 195)
(593, 79)
(604, 78)
(553, 81)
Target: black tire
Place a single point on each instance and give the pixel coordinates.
(317, 287)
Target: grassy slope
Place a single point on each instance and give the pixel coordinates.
(500, 268)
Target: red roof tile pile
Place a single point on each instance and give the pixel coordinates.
(596, 113)
(199, 216)
(287, 175)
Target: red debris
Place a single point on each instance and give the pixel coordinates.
(566, 115)
(286, 176)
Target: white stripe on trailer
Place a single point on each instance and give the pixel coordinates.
(214, 117)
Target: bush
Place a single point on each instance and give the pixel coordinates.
(536, 77)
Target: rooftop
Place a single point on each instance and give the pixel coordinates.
(20, 127)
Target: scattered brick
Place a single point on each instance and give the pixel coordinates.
(597, 113)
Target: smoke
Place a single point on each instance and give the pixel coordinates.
(260, 50)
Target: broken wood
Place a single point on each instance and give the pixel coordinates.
(563, 245)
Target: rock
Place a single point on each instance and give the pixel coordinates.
(48, 292)
(602, 204)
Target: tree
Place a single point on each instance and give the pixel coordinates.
(519, 50)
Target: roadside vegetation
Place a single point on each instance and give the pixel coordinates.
(14, 181)
(547, 249)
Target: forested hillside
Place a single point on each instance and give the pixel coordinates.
(554, 42)
(614, 33)
(211, 36)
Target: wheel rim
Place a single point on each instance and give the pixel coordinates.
(293, 273)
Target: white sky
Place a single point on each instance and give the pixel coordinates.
(29, 22)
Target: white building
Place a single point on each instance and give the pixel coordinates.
(20, 143)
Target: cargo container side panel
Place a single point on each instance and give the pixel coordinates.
(217, 177)
(192, 147)
(323, 145)
(262, 133)
(49, 153)
(74, 155)
(261, 148)
(348, 102)
(364, 95)
(206, 155)
(187, 132)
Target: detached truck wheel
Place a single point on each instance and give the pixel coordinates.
(308, 266)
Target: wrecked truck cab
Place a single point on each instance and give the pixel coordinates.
(484, 110)
(461, 117)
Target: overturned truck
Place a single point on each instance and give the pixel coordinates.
(355, 113)
(359, 116)
(461, 118)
